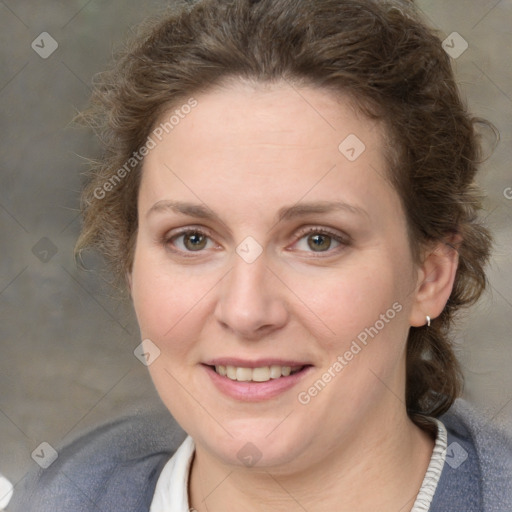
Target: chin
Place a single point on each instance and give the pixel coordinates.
(255, 443)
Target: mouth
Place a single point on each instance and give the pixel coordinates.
(255, 381)
(256, 374)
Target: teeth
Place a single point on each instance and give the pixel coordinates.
(231, 372)
(261, 374)
(243, 374)
(275, 372)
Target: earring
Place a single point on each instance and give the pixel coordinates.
(428, 321)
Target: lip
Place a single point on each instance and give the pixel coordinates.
(243, 363)
(255, 391)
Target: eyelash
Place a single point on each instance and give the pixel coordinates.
(343, 240)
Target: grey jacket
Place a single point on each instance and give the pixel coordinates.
(115, 468)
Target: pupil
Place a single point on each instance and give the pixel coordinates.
(321, 242)
(195, 241)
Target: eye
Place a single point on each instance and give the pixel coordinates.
(320, 240)
(190, 240)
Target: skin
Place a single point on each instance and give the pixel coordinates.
(245, 152)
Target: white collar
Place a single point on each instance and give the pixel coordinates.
(171, 492)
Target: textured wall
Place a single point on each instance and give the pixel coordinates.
(66, 346)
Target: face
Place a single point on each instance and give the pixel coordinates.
(271, 243)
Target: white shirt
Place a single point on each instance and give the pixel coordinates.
(171, 492)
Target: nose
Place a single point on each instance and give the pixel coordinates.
(251, 303)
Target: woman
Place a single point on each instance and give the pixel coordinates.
(289, 197)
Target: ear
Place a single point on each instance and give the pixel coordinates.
(436, 276)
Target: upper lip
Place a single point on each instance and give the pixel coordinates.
(243, 363)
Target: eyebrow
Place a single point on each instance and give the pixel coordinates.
(201, 211)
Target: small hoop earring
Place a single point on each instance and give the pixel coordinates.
(428, 321)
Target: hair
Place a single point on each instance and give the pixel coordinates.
(383, 56)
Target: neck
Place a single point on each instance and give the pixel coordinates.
(381, 466)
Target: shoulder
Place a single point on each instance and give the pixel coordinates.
(477, 474)
(111, 468)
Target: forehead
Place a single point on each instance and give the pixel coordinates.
(242, 143)
(301, 117)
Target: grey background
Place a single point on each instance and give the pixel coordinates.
(66, 359)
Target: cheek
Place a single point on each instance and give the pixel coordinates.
(367, 314)
(365, 310)
(166, 304)
(352, 299)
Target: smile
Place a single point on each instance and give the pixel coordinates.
(260, 374)
(255, 381)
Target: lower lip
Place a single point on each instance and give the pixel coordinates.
(255, 391)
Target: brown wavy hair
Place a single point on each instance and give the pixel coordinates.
(378, 52)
